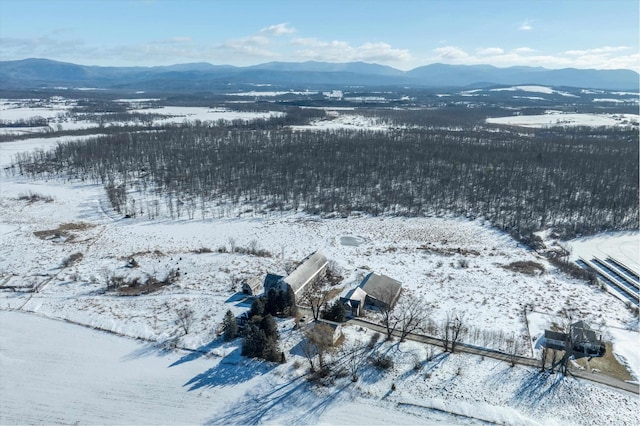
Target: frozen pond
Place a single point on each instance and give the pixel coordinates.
(352, 240)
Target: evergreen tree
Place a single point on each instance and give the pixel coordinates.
(291, 302)
(335, 312)
(271, 306)
(229, 326)
(338, 313)
(269, 326)
(257, 307)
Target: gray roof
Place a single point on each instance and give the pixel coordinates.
(382, 288)
(581, 332)
(307, 271)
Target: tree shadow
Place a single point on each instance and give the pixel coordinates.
(278, 403)
(231, 370)
(162, 348)
(197, 353)
(537, 386)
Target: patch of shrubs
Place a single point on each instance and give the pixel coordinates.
(137, 285)
(68, 261)
(33, 197)
(381, 361)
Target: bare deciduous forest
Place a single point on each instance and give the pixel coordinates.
(578, 181)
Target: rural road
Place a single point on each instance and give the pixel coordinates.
(529, 362)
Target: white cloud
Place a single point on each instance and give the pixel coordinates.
(341, 51)
(490, 51)
(526, 25)
(255, 45)
(597, 51)
(450, 53)
(278, 30)
(523, 50)
(597, 58)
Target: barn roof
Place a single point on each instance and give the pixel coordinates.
(308, 270)
(382, 288)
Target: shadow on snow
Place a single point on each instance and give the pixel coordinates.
(231, 370)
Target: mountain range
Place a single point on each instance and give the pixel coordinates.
(37, 73)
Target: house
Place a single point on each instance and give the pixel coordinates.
(375, 290)
(311, 269)
(582, 339)
(585, 341)
(252, 286)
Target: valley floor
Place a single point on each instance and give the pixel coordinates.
(67, 247)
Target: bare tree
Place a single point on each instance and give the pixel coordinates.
(355, 360)
(567, 329)
(389, 320)
(185, 317)
(411, 314)
(317, 342)
(513, 347)
(456, 323)
(316, 297)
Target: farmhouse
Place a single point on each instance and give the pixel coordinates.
(375, 290)
(582, 339)
(585, 340)
(311, 269)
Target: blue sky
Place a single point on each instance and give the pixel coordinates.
(600, 34)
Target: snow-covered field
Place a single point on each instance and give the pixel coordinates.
(338, 120)
(557, 118)
(534, 89)
(56, 111)
(623, 246)
(53, 372)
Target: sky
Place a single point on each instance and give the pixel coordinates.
(405, 34)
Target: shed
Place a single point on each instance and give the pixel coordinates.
(334, 326)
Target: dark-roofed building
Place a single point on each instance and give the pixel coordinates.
(585, 340)
(376, 290)
(382, 291)
(555, 340)
(272, 281)
(582, 339)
